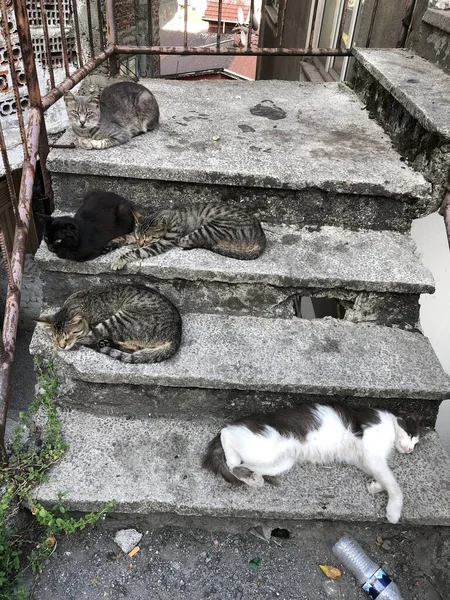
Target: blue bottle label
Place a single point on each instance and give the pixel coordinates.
(376, 584)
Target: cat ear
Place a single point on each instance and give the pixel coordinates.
(94, 100)
(76, 319)
(138, 217)
(161, 223)
(69, 99)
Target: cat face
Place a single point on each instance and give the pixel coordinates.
(60, 233)
(83, 111)
(407, 435)
(66, 328)
(149, 230)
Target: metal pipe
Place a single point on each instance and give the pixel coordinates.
(34, 92)
(47, 44)
(63, 36)
(185, 31)
(111, 37)
(6, 261)
(250, 24)
(219, 24)
(313, 24)
(77, 34)
(12, 70)
(9, 178)
(406, 23)
(77, 76)
(372, 23)
(11, 318)
(89, 24)
(101, 24)
(237, 51)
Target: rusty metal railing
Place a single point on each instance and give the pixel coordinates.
(77, 56)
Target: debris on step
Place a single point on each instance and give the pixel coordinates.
(127, 539)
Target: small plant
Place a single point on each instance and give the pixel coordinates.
(32, 455)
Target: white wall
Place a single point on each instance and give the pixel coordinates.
(431, 239)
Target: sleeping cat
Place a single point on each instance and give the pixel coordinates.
(122, 111)
(131, 323)
(222, 228)
(102, 217)
(265, 445)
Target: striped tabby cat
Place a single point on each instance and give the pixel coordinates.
(131, 323)
(222, 228)
(122, 111)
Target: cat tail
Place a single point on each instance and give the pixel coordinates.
(146, 355)
(214, 460)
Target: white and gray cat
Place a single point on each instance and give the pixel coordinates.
(122, 111)
(262, 446)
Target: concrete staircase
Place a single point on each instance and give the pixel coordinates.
(337, 201)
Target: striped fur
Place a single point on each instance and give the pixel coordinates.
(133, 324)
(222, 228)
(122, 111)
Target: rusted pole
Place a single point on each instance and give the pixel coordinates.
(406, 23)
(9, 178)
(34, 93)
(75, 77)
(219, 24)
(47, 44)
(237, 51)
(372, 23)
(111, 37)
(17, 259)
(77, 34)
(62, 29)
(12, 70)
(89, 24)
(185, 30)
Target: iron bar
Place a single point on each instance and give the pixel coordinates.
(341, 26)
(101, 24)
(34, 92)
(89, 23)
(11, 318)
(238, 51)
(219, 24)
(313, 24)
(372, 23)
(63, 37)
(6, 261)
(75, 77)
(250, 24)
(77, 34)
(12, 70)
(9, 178)
(185, 32)
(47, 44)
(407, 23)
(281, 23)
(111, 37)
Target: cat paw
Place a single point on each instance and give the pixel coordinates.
(393, 513)
(118, 264)
(374, 487)
(85, 143)
(185, 243)
(249, 477)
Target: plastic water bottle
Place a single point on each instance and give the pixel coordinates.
(369, 575)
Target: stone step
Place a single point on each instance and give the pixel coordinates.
(296, 153)
(230, 365)
(375, 272)
(409, 96)
(151, 467)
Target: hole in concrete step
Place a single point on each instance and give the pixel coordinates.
(281, 533)
(310, 308)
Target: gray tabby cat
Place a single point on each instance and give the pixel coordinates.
(222, 228)
(131, 323)
(122, 111)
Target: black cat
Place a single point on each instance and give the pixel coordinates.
(102, 217)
